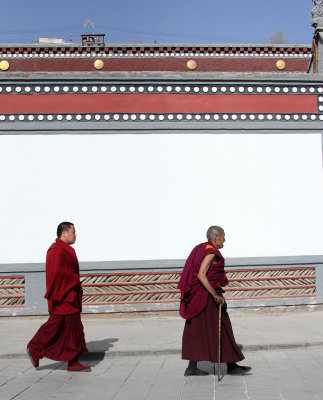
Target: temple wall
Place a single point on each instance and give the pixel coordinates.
(143, 165)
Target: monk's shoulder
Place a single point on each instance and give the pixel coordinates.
(210, 249)
(55, 252)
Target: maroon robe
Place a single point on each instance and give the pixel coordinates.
(64, 291)
(61, 338)
(200, 335)
(194, 296)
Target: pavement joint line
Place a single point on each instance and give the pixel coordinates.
(95, 355)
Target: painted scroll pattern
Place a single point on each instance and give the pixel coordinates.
(12, 291)
(157, 287)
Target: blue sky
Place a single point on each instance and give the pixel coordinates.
(167, 21)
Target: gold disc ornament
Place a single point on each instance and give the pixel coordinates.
(98, 64)
(280, 64)
(4, 65)
(191, 64)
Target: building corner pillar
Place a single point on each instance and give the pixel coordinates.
(316, 65)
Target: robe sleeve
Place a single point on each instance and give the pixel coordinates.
(210, 250)
(217, 270)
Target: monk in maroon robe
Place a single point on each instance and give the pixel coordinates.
(61, 338)
(201, 293)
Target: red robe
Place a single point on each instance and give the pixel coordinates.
(61, 338)
(194, 296)
(200, 335)
(64, 291)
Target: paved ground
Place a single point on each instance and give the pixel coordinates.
(138, 357)
(290, 374)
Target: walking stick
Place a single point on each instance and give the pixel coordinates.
(219, 344)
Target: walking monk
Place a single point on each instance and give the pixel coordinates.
(61, 338)
(201, 293)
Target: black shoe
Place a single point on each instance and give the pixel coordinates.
(239, 370)
(196, 372)
(245, 368)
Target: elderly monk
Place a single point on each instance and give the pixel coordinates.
(61, 338)
(201, 293)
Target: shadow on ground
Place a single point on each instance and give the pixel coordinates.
(54, 365)
(212, 368)
(101, 346)
(97, 350)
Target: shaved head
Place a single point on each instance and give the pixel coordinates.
(213, 231)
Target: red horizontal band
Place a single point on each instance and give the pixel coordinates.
(136, 273)
(130, 302)
(223, 63)
(271, 278)
(127, 283)
(270, 269)
(268, 287)
(127, 293)
(12, 286)
(269, 297)
(157, 103)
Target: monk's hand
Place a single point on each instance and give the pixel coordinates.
(219, 299)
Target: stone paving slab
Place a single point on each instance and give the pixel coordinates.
(277, 375)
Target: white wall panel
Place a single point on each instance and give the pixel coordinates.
(154, 196)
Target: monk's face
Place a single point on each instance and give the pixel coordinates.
(219, 241)
(69, 236)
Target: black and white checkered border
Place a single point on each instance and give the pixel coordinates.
(169, 117)
(156, 53)
(162, 88)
